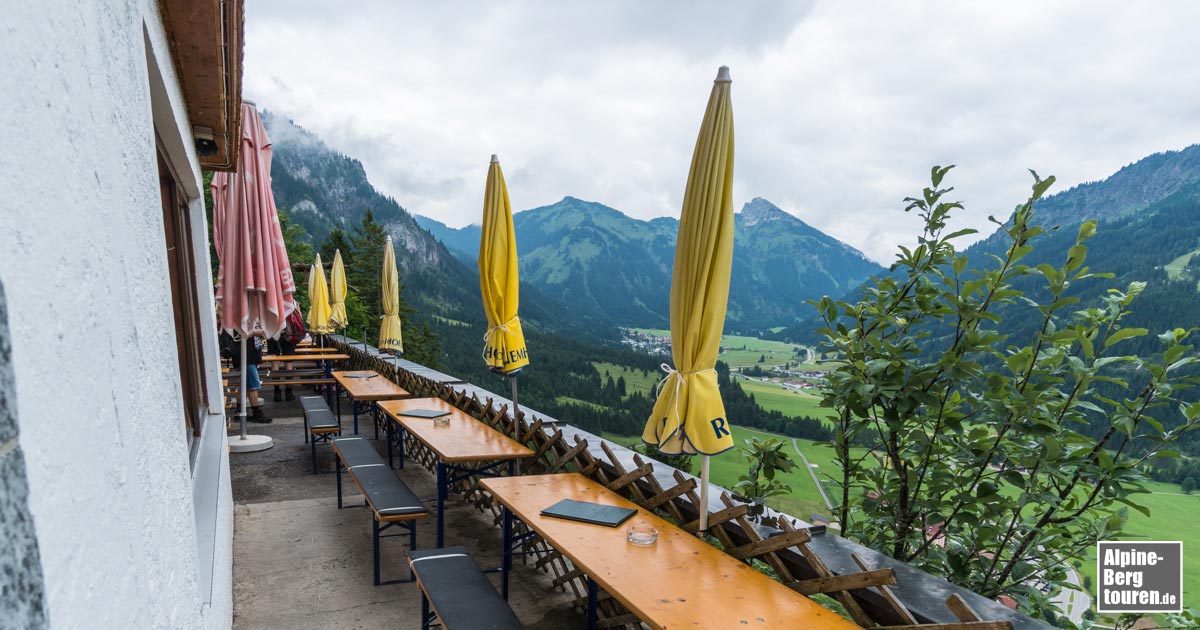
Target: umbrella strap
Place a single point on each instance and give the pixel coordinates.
(678, 383)
(487, 335)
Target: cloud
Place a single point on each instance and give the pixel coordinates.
(840, 108)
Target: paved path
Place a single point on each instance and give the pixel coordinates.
(301, 563)
(1073, 602)
(813, 472)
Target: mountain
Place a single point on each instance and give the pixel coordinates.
(322, 189)
(603, 261)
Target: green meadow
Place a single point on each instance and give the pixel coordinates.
(775, 397)
(635, 380)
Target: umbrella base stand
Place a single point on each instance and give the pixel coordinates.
(250, 443)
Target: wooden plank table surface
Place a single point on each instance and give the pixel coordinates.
(306, 357)
(464, 440)
(679, 582)
(366, 387)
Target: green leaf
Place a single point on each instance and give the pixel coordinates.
(1123, 334)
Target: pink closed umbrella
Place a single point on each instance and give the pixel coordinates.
(254, 283)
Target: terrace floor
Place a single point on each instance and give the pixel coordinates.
(299, 562)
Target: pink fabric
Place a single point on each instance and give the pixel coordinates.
(249, 241)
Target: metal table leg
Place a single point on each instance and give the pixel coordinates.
(441, 503)
(507, 547)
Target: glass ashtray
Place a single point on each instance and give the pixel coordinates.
(641, 535)
(441, 421)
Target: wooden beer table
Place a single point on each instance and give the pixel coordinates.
(680, 581)
(364, 388)
(324, 360)
(465, 447)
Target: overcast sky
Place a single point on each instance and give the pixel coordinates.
(840, 108)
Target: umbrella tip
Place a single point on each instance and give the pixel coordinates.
(495, 160)
(723, 75)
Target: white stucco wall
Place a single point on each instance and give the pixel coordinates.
(83, 262)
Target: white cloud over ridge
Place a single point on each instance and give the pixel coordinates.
(840, 108)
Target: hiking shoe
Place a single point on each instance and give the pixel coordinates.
(288, 395)
(279, 395)
(260, 417)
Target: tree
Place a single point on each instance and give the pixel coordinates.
(300, 253)
(362, 254)
(338, 241)
(1189, 485)
(983, 434)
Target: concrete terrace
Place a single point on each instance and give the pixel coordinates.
(299, 562)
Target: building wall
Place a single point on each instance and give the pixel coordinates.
(83, 265)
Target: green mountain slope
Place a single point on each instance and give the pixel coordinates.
(604, 262)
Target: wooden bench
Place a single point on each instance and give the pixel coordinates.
(461, 596)
(392, 503)
(320, 424)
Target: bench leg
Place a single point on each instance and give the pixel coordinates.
(425, 617)
(354, 406)
(337, 466)
(375, 419)
(313, 445)
(375, 545)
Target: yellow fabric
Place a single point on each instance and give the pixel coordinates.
(337, 292)
(504, 348)
(390, 337)
(318, 300)
(689, 416)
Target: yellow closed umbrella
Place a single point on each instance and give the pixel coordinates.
(318, 300)
(337, 292)
(504, 348)
(689, 416)
(389, 326)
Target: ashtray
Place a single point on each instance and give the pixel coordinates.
(441, 421)
(641, 535)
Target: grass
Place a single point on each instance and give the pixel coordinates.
(447, 320)
(1176, 267)
(567, 400)
(1172, 517)
(635, 380)
(726, 468)
(746, 351)
(774, 397)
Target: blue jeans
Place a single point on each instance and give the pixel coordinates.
(253, 382)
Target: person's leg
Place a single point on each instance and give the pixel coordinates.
(253, 384)
(288, 389)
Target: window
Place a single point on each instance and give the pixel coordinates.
(181, 264)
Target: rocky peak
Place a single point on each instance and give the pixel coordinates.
(759, 210)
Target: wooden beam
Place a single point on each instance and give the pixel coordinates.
(878, 577)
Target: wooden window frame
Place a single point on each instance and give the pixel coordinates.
(181, 266)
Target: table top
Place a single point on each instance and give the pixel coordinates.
(374, 388)
(305, 357)
(465, 439)
(313, 349)
(679, 582)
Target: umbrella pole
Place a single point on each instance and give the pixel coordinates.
(242, 390)
(512, 383)
(703, 496)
